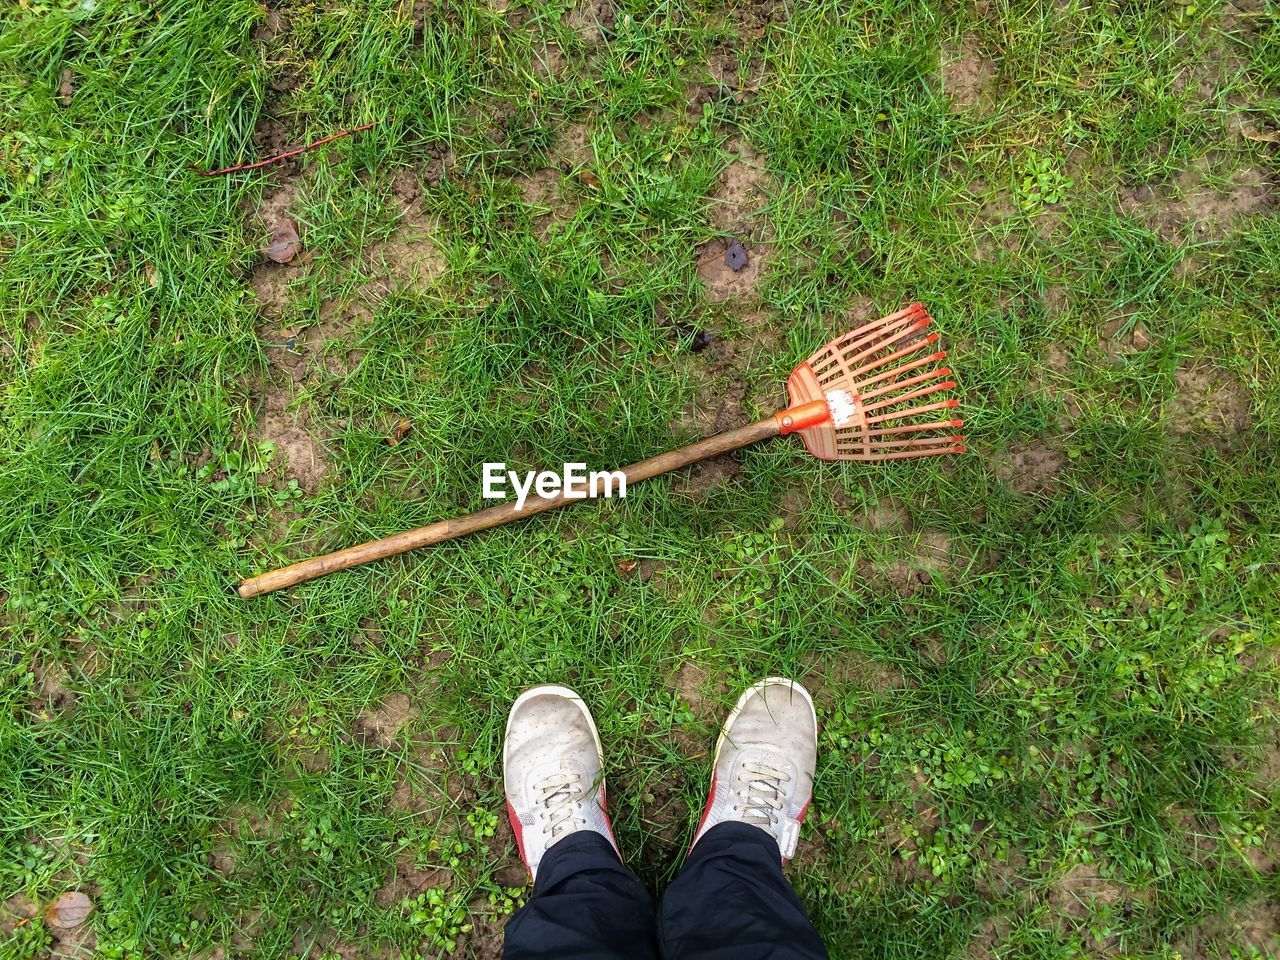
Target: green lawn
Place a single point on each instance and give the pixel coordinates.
(1046, 669)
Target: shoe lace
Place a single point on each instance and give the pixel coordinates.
(760, 796)
(561, 801)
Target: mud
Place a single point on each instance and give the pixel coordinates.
(384, 723)
(302, 456)
(1191, 209)
(968, 77)
(885, 515)
(406, 880)
(1209, 402)
(722, 281)
(832, 676)
(740, 192)
(1032, 468)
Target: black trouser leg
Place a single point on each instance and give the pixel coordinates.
(585, 904)
(730, 901)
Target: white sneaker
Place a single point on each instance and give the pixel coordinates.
(764, 763)
(553, 770)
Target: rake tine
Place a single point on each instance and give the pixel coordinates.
(913, 428)
(914, 394)
(857, 371)
(909, 382)
(905, 368)
(881, 331)
(923, 443)
(929, 408)
(907, 454)
(870, 351)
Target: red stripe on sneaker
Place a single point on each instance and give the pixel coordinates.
(608, 824)
(518, 829)
(706, 812)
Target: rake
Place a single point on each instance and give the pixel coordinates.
(868, 395)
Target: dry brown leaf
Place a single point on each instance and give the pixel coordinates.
(285, 243)
(627, 566)
(1261, 136)
(590, 179)
(399, 431)
(68, 909)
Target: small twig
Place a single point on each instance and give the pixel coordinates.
(288, 153)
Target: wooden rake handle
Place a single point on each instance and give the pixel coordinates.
(506, 512)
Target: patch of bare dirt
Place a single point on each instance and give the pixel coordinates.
(408, 260)
(17, 909)
(1192, 209)
(832, 675)
(71, 937)
(722, 394)
(795, 504)
(932, 559)
(1032, 467)
(1057, 358)
(383, 724)
(755, 15)
(885, 515)
(666, 815)
(1082, 889)
(1255, 925)
(422, 785)
(303, 456)
(278, 201)
(1123, 335)
(967, 75)
(994, 205)
(740, 191)
(270, 281)
(52, 695)
(1056, 297)
(544, 191)
(701, 690)
(988, 937)
(1209, 401)
(573, 150)
(722, 280)
(592, 20)
(708, 476)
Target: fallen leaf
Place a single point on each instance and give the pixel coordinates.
(1261, 136)
(284, 244)
(626, 566)
(398, 432)
(735, 258)
(590, 179)
(69, 909)
(66, 86)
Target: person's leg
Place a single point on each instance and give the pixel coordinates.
(731, 899)
(585, 903)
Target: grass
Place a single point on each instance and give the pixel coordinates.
(1046, 669)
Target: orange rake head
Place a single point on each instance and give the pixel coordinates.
(878, 385)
